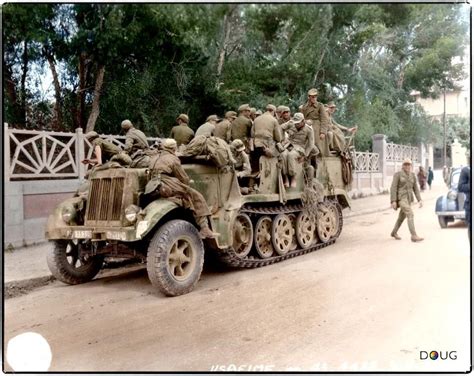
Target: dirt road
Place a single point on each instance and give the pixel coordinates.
(367, 303)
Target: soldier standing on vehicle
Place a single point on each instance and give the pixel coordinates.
(401, 196)
(207, 129)
(182, 133)
(223, 128)
(336, 137)
(299, 147)
(173, 183)
(315, 111)
(242, 126)
(242, 162)
(105, 151)
(266, 134)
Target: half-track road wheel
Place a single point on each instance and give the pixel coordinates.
(175, 258)
(68, 265)
(294, 241)
(263, 237)
(337, 214)
(282, 234)
(325, 223)
(242, 231)
(305, 230)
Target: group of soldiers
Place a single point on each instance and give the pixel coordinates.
(250, 134)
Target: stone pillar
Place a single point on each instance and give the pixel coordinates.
(430, 156)
(80, 153)
(379, 146)
(6, 153)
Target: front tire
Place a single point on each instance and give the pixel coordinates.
(443, 221)
(68, 265)
(175, 258)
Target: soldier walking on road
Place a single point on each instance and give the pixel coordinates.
(182, 133)
(401, 196)
(315, 111)
(223, 129)
(172, 182)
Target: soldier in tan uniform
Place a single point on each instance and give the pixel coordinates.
(253, 113)
(242, 161)
(315, 111)
(300, 145)
(242, 126)
(207, 129)
(285, 115)
(182, 133)
(174, 184)
(336, 137)
(135, 139)
(223, 128)
(278, 112)
(105, 151)
(401, 196)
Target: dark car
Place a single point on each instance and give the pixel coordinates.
(451, 206)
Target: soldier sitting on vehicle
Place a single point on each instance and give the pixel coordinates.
(241, 165)
(207, 129)
(336, 138)
(105, 151)
(300, 145)
(181, 132)
(135, 144)
(241, 127)
(170, 181)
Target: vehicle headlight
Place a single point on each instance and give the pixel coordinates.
(68, 213)
(452, 195)
(131, 213)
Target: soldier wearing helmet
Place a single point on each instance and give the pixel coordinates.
(135, 140)
(315, 111)
(105, 151)
(242, 162)
(241, 127)
(169, 180)
(401, 196)
(207, 129)
(182, 133)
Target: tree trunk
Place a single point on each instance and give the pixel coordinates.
(11, 93)
(320, 62)
(95, 103)
(25, 60)
(57, 91)
(226, 29)
(81, 98)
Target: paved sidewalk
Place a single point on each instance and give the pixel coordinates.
(26, 267)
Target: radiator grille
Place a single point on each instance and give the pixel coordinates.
(105, 199)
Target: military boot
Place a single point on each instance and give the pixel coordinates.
(205, 232)
(395, 235)
(416, 238)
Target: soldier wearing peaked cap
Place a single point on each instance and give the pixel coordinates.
(224, 128)
(241, 127)
(315, 111)
(336, 137)
(182, 133)
(404, 184)
(207, 129)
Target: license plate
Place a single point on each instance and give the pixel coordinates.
(115, 235)
(82, 234)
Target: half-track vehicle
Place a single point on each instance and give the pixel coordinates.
(115, 219)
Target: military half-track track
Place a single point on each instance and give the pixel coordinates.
(265, 249)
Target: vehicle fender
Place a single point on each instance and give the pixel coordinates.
(154, 212)
(343, 198)
(56, 228)
(441, 204)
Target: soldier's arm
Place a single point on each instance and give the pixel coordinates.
(228, 134)
(128, 144)
(394, 188)
(172, 133)
(309, 142)
(277, 132)
(416, 189)
(464, 184)
(324, 119)
(247, 170)
(179, 172)
(341, 127)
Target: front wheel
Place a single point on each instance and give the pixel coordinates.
(444, 220)
(69, 265)
(175, 258)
